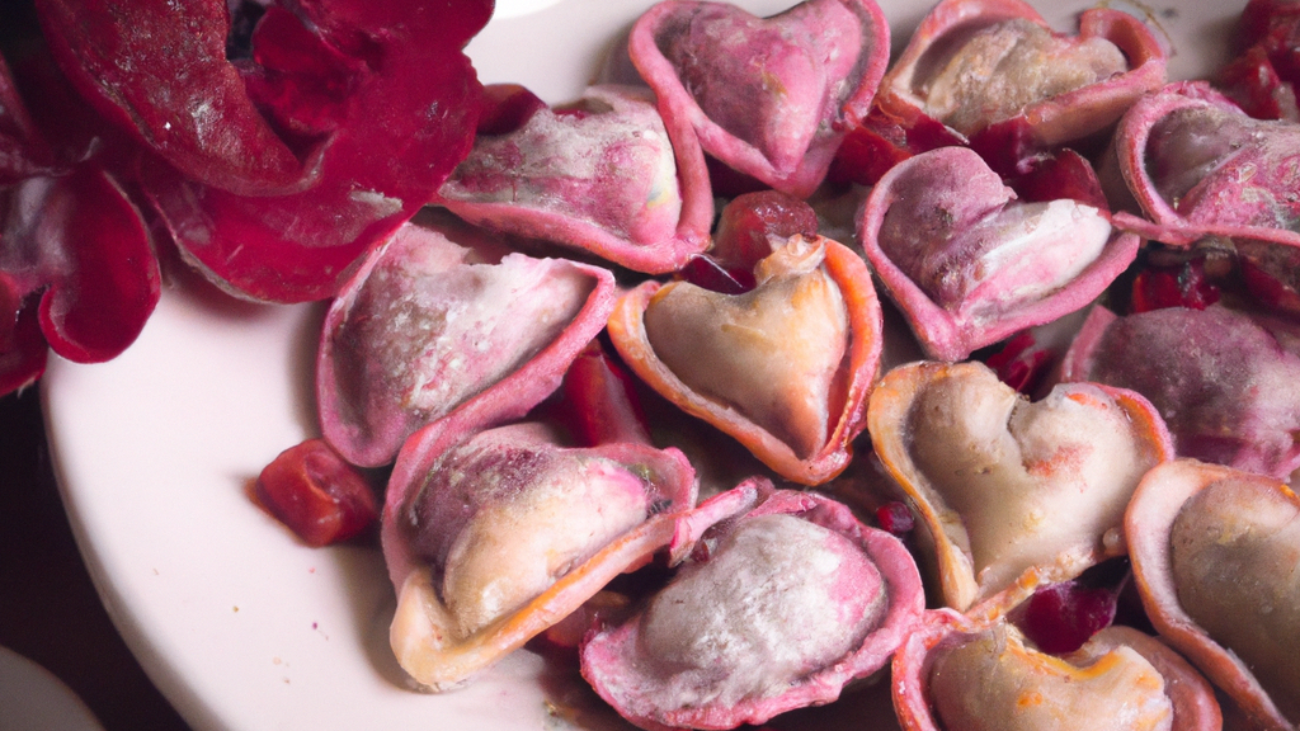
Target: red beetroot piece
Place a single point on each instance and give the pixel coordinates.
(317, 494)
(881, 142)
(1062, 174)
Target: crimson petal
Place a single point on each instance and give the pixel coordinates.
(100, 302)
(22, 347)
(18, 138)
(407, 119)
(159, 69)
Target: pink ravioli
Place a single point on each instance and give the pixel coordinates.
(1227, 385)
(443, 320)
(770, 97)
(602, 175)
(1214, 552)
(981, 674)
(787, 604)
(969, 264)
(1198, 167)
(998, 77)
(493, 536)
(711, 354)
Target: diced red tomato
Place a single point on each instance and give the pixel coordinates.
(317, 494)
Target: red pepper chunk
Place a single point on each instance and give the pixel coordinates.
(317, 494)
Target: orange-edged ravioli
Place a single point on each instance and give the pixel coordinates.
(785, 368)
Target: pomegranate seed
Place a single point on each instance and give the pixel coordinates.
(895, 517)
(1020, 366)
(317, 494)
(1061, 617)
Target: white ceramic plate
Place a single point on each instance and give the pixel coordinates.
(31, 697)
(240, 626)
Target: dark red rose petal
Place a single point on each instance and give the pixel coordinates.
(23, 350)
(302, 82)
(407, 119)
(158, 69)
(101, 300)
(19, 144)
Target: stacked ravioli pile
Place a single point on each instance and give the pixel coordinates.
(621, 366)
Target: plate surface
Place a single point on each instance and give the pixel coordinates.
(31, 697)
(236, 622)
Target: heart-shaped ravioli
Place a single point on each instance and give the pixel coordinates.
(1011, 672)
(772, 353)
(969, 264)
(789, 603)
(1216, 553)
(493, 536)
(956, 672)
(996, 74)
(441, 321)
(1198, 167)
(771, 97)
(1011, 492)
(602, 175)
(784, 368)
(1225, 384)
